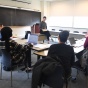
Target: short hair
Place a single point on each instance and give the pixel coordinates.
(64, 36)
(6, 33)
(44, 17)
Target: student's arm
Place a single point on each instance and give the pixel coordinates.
(72, 57)
(86, 43)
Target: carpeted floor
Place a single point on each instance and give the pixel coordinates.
(20, 79)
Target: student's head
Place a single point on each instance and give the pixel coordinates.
(44, 18)
(6, 33)
(63, 36)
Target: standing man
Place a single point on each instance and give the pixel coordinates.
(43, 28)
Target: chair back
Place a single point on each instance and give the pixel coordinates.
(76, 32)
(72, 40)
(56, 79)
(26, 34)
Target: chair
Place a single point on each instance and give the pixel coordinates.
(60, 30)
(75, 31)
(84, 32)
(53, 29)
(26, 34)
(72, 40)
(56, 80)
(7, 62)
(79, 68)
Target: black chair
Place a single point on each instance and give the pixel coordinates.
(26, 34)
(56, 80)
(60, 30)
(75, 31)
(53, 29)
(72, 40)
(79, 68)
(7, 64)
(84, 32)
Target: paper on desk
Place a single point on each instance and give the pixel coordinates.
(46, 52)
(44, 29)
(42, 46)
(78, 49)
(80, 42)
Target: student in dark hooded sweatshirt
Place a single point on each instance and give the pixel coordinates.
(63, 51)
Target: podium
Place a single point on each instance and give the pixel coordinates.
(35, 28)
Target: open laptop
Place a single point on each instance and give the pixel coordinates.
(33, 39)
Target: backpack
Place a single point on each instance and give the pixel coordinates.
(84, 59)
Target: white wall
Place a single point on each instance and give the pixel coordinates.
(45, 8)
(35, 4)
(77, 9)
(69, 8)
(19, 31)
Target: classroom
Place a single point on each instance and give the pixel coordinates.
(43, 43)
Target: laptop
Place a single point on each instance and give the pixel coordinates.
(33, 39)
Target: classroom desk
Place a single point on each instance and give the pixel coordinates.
(41, 47)
(45, 52)
(71, 34)
(77, 49)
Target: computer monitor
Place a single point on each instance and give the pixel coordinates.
(33, 38)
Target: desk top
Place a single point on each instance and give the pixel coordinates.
(40, 47)
(20, 41)
(42, 53)
(45, 52)
(77, 48)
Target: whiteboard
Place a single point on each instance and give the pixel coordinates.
(63, 21)
(81, 22)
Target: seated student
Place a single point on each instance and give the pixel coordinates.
(63, 51)
(43, 26)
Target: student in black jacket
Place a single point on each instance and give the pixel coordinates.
(63, 51)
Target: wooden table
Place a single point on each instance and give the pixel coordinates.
(76, 49)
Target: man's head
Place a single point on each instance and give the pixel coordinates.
(63, 36)
(44, 18)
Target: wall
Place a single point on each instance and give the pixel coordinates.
(69, 8)
(74, 8)
(35, 4)
(19, 31)
(45, 8)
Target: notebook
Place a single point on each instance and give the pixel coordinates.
(44, 29)
(33, 38)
